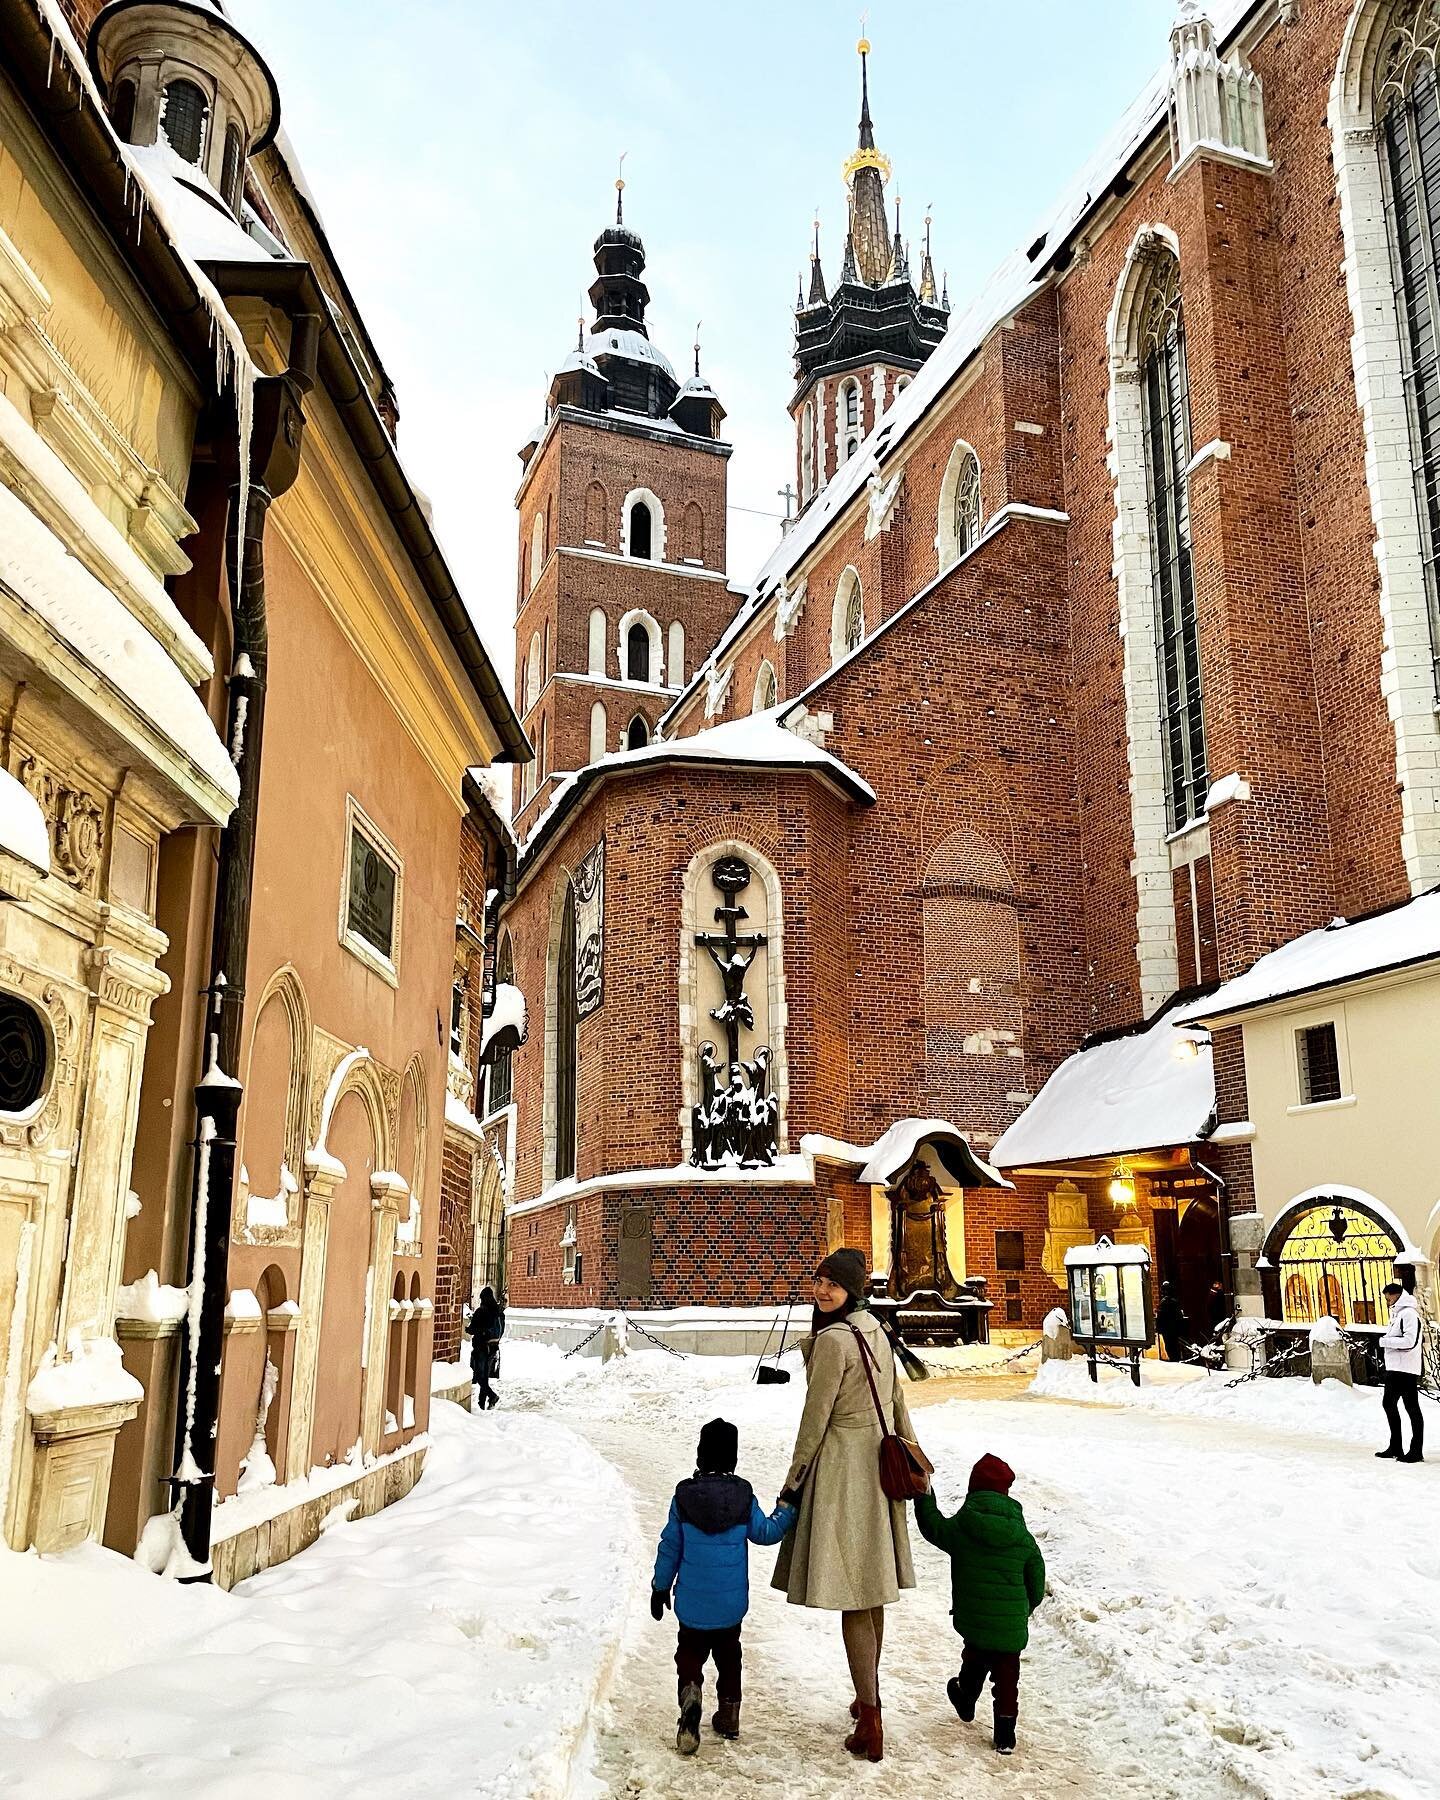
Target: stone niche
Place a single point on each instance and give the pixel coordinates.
(1067, 1224)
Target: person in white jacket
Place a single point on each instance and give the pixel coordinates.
(1402, 1344)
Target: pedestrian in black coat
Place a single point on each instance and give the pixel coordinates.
(487, 1327)
(1172, 1325)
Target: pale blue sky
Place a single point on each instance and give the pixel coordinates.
(464, 154)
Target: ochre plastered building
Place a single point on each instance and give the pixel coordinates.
(262, 1172)
(1099, 664)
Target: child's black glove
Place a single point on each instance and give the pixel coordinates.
(659, 1600)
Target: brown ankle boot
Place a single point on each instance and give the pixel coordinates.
(726, 1720)
(855, 1708)
(868, 1737)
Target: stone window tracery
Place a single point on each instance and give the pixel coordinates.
(807, 451)
(959, 521)
(767, 688)
(847, 624)
(1165, 414)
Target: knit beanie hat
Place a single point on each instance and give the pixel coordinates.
(991, 1476)
(846, 1268)
(719, 1448)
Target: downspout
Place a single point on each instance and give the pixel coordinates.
(274, 458)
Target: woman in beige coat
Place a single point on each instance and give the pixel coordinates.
(850, 1549)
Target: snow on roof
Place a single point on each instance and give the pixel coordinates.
(1087, 1256)
(509, 1015)
(1011, 284)
(1339, 951)
(204, 227)
(23, 831)
(85, 616)
(632, 344)
(1147, 1091)
(757, 739)
(897, 1147)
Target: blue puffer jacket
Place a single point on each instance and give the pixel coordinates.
(704, 1549)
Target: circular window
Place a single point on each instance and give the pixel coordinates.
(23, 1055)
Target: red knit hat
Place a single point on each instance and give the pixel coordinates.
(991, 1476)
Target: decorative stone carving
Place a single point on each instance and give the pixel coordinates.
(717, 686)
(919, 1254)
(789, 604)
(47, 996)
(590, 932)
(1216, 103)
(1068, 1224)
(737, 1118)
(127, 986)
(77, 824)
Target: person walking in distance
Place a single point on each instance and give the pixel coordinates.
(1403, 1361)
(487, 1327)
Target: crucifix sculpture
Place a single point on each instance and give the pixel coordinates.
(737, 1118)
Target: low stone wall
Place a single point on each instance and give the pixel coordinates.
(255, 1547)
(737, 1331)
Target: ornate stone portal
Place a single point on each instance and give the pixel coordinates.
(919, 1254)
(737, 1119)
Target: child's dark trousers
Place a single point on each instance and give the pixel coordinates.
(1003, 1668)
(695, 1647)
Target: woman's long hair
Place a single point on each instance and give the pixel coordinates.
(819, 1320)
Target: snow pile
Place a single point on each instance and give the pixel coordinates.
(1056, 1321)
(508, 1012)
(454, 1643)
(272, 1211)
(199, 220)
(459, 1115)
(1339, 951)
(1326, 1331)
(92, 1375)
(23, 831)
(242, 1304)
(149, 1301)
(1145, 1091)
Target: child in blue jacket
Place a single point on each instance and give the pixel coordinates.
(704, 1553)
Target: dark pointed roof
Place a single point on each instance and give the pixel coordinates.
(868, 171)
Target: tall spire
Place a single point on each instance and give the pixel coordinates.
(817, 274)
(927, 269)
(848, 271)
(899, 256)
(867, 171)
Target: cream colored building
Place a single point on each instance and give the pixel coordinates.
(101, 726)
(1341, 1036)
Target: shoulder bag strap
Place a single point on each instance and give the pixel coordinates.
(885, 1430)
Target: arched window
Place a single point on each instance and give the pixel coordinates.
(122, 110)
(640, 531)
(599, 731)
(847, 622)
(537, 547)
(767, 689)
(1408, 108)
(807, 451)
(959, 522)
(24, 1055)
(1332, 1255)
(184, 115)
(501, 1066)
(532, 674)
(637, 733)
(637, 653)
(566, 1041)
(676, 659)
(971, 981)
(851, 396)
(232, 173)
(1165, 414)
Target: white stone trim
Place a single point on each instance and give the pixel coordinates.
(1217, 450)
(657, 524)
(696, 900)
(1156, 949)
(675, 653)
(789, 604)
(599, 631)
(599, 554)
(1406, 668)
(637, 615)
(599, 730)
(537, 548)
(755, 696)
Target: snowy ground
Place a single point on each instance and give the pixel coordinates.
(1242, 1599)
(453, 1643)
(1242, 1602)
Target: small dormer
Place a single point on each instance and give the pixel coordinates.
(179, 70)
(578, 382)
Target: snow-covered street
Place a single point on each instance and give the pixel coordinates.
(1236, 1606)
(1241, 1602)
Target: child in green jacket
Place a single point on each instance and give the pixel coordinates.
(997, 1579)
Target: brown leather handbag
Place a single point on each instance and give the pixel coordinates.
(905, 1469)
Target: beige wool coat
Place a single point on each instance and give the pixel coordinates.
(850, 1548)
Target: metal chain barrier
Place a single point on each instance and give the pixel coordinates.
(980, 1368)
(588, 1338)
(633, 1325)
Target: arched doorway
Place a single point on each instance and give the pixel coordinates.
(1189, 1254)
(1328, 1254)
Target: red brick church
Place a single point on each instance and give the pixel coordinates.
(1101, 660)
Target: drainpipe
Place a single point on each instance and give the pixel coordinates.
(274, 462)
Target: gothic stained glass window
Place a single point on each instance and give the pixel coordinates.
(184, 119)
(566, 1042)
(965, 520)
(1409, 122)
(1165, 405)
(854, 618)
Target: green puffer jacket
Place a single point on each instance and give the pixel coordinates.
(997, 1574)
